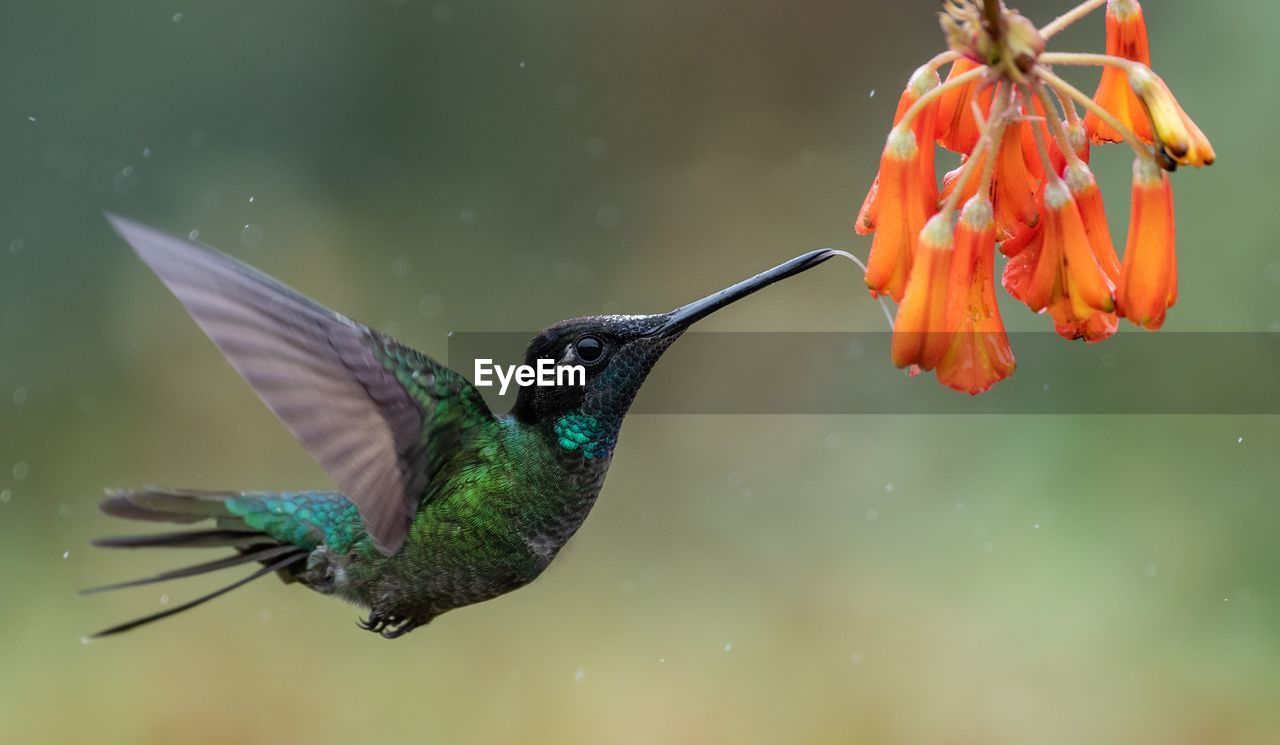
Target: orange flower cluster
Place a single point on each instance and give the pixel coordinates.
(1023, 186)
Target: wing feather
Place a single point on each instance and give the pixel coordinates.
(330, 380)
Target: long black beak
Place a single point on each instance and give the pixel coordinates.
(686, 315)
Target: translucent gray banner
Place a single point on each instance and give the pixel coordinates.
(850, 373)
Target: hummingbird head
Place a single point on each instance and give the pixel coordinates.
(616, 354)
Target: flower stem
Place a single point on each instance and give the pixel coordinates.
(1055, 125)
(926, 99)
(1089, 104)
(941, 59)
(986, 146)
(1041, 146)
(1084, 58)
(1070, 17)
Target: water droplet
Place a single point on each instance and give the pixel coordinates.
(467, 216)
(16, 246)
(146, 152)
(251, 200)
(401, 267)
(251, 236)
(66, 554)
(728, 647)
(194, 234)
(1035, 526)
(662, 659)
(989, 547)
(580, 675)
(5, 496)
(126, 171)
(164, 599)
(888, 488)
(521, 65)
(873, 514)
(1044, 387)
(856, 658)
(834, 441)
(597, 148)
(31, 119)
(177, 18)
(1239, 440)
(608, 217)
(21, 470)
(873, 93)
(442, 13)
(1152, 570)
(19, 396)
(431, 306)
(85, 640)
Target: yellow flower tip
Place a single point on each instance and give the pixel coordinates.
(1176, 134)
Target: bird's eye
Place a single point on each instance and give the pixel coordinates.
(589, 349)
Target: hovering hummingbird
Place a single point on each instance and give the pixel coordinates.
(442, 503)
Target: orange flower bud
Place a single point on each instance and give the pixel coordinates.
(905, 203)
(922, 81)
(1148, 275)
(1127, 38)
(920, 334)
(957, 127)
(1178, 136)
(979, 355)
(1066, 267)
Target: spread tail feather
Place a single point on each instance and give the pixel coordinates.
(284, 563)
(186, 507)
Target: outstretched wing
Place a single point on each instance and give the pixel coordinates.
(378, 416)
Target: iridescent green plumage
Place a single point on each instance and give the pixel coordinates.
(442, 503)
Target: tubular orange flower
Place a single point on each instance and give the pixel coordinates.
(979, 355)
(1084, 189)
(957, 127)
(1127, 38)
(1148, 276)
(1015, 184)
(922, 81)
(1066, 269)
(920, 333)
(1179, 137)
(905, 204)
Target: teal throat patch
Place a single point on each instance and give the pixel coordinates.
(582, 434)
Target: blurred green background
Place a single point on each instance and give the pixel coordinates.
(501, 164)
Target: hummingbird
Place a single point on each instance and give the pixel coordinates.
(440, 503)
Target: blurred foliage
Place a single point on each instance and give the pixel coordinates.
(490, 165)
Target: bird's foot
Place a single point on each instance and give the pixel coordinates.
(388, 626)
